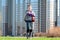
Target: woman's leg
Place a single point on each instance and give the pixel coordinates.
(31, 29)
(27, 29)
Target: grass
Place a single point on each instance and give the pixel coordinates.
(24, 38)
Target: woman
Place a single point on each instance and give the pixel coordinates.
(29, 19)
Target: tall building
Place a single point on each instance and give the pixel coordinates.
(9, 17)
(46, 15)
(0, 17)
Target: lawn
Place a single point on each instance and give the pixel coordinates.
(24, 38)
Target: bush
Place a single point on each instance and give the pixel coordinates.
(54, 32)
(40, 34)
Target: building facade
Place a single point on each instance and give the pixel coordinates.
(13, 11)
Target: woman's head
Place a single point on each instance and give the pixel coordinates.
(29, 7)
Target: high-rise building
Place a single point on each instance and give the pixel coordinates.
(0, 17)
(13, 12)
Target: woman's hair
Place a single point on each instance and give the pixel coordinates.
(29, 6)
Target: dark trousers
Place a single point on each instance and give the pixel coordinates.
(29, 29)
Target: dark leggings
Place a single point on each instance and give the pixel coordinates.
(29, 29)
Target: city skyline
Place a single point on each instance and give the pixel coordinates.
(12, 14)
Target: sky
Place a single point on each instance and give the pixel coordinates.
(0, 5)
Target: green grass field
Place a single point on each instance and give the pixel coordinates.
(24, 38)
